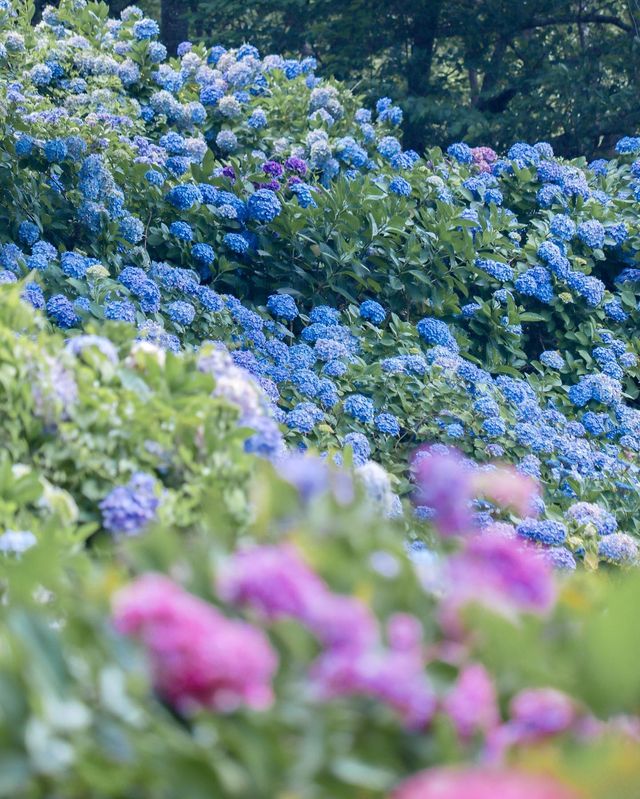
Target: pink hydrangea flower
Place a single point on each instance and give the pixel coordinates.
(447, 482)
(472, 703)
(198, 657)
(342, 622)
(276, 581)
(507, 488)
(271, 579)
(483, 157)
(444, 483)
(480, 783)
(394, 678)
(499, 573)
(484, 154)
(404, 633)
(537, 713)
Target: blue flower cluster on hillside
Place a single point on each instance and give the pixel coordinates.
(486, 303)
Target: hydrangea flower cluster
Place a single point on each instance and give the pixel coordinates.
(217, 235)
(199, 657)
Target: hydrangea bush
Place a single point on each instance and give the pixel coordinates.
(233, 311)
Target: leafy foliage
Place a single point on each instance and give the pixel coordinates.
(228, 296)
(487, 71)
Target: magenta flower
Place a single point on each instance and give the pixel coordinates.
(273, 169)
(273, 580)
(541, 712)
(508, 488)
(198, 657)
(499, 573)
(444, 483)
(342, 623)
(396, 679)
(276, 582)
(480, 783)
(483, 157)
(536, 714)
(472, 704)
(484, 154)
(404, 633)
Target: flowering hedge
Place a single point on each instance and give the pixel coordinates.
(233, 310)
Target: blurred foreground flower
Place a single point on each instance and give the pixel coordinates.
(480, 783)
(447, 483)
(198, 657)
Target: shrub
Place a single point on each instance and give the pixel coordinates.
(228, 564)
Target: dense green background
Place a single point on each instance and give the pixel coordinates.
(488, 71)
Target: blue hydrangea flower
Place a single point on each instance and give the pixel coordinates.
(55, 150)
(24, 145)
(181, 230)
(494, 427)
(614, 310)
(496, 269)
(461, 152)
(184, 196)
(400, 186)
(154, 177)
(131, 229)
(304, 417)
(389, 146)
(454, 430)
(543, 531)
(236, 243)
(470, 310)
(28, 233)
(563, 227)
(128, 509)
(203, 254)
(181, 313)
(388, 424)
(120, 311)
(61, 310)
(335, 369)
(282, 306)
(585, 513)
(618, 548)
(145, 29)
(226, 140)
(373, 312)
(550, 254)
(552, 359)
(592, 233)
(263, 205)
(33, 294)
(560, 558)
(435, 331)
(324, 315)
(360, 446)
(360, 408)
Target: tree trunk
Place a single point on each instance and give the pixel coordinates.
(423, 36)
(40, 4)
(116, 7)
(174, 25)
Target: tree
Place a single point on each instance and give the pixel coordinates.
(174, 23)
(490, 71)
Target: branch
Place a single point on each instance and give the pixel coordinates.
(451, 30)
(595, 19)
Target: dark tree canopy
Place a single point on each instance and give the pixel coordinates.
(488, 71)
